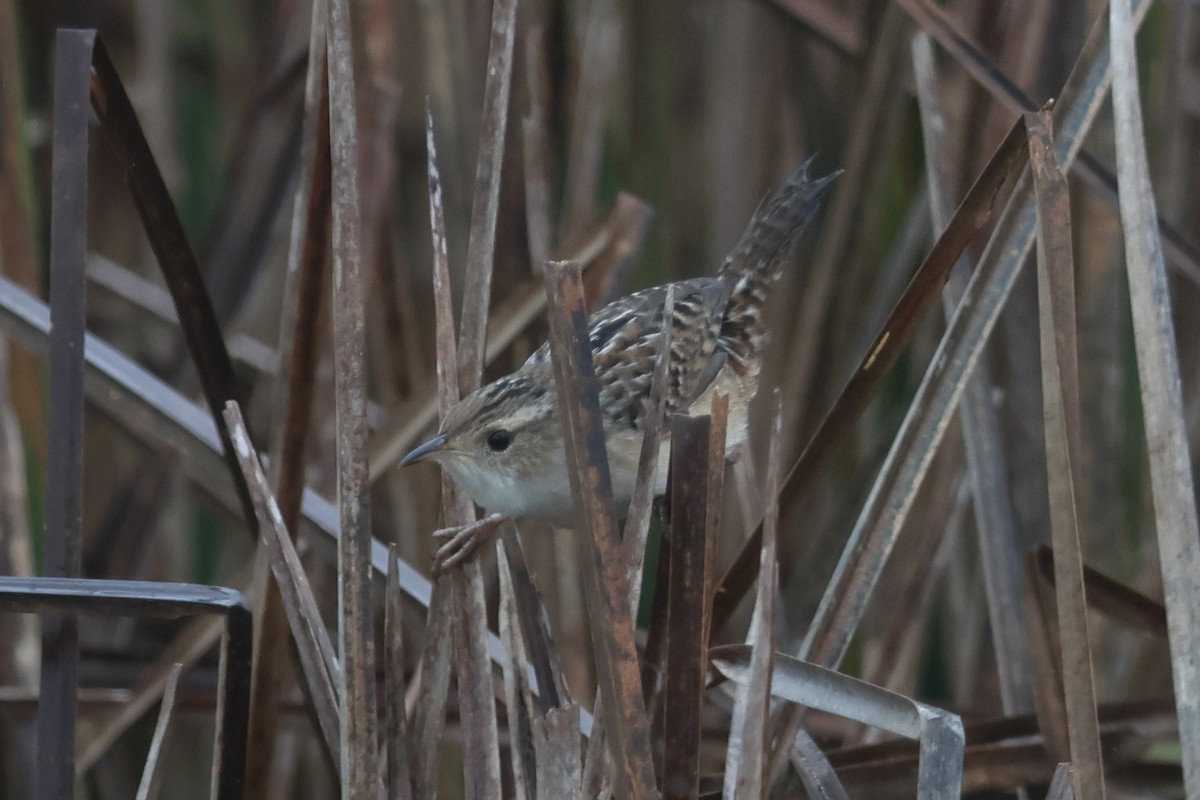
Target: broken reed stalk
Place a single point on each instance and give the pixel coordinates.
(605, 587)
(359, 757)
(695, 502)
(318, 665)
(1064, 449)
(435, 658)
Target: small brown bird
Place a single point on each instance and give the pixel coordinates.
(503, 443)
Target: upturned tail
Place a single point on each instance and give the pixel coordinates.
(757, 260)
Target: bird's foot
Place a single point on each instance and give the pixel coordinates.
(459, 543)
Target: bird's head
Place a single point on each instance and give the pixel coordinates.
(503, 442)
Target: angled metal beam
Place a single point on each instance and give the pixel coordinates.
(162, 600)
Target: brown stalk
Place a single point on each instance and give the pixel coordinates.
(435, 659)
(317, 662)
(360, 764)
(181, 271)
(460, 371)
(683, 689)
(481, 740)
(605, 583)
(911, 451)
(481, 752)
(595, 761)
(434, 687)
(879, 522)
(1064, 449)
(459, 593)
(531, 612)
(654, 651)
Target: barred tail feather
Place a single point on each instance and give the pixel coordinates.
(758, 259)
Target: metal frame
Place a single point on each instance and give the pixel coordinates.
(86, 81)
(163, 600)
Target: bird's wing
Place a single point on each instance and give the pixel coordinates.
(626, 336)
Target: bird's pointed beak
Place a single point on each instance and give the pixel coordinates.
(434, 446)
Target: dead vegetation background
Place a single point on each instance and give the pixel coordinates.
(969, 513)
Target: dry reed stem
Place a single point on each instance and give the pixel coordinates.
(1064, 450)
(605, 584)
(1172, 481)
(321, 671)
(149, 786)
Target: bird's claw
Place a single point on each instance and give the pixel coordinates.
(460, 542)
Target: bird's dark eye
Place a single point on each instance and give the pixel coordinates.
(499, 440)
